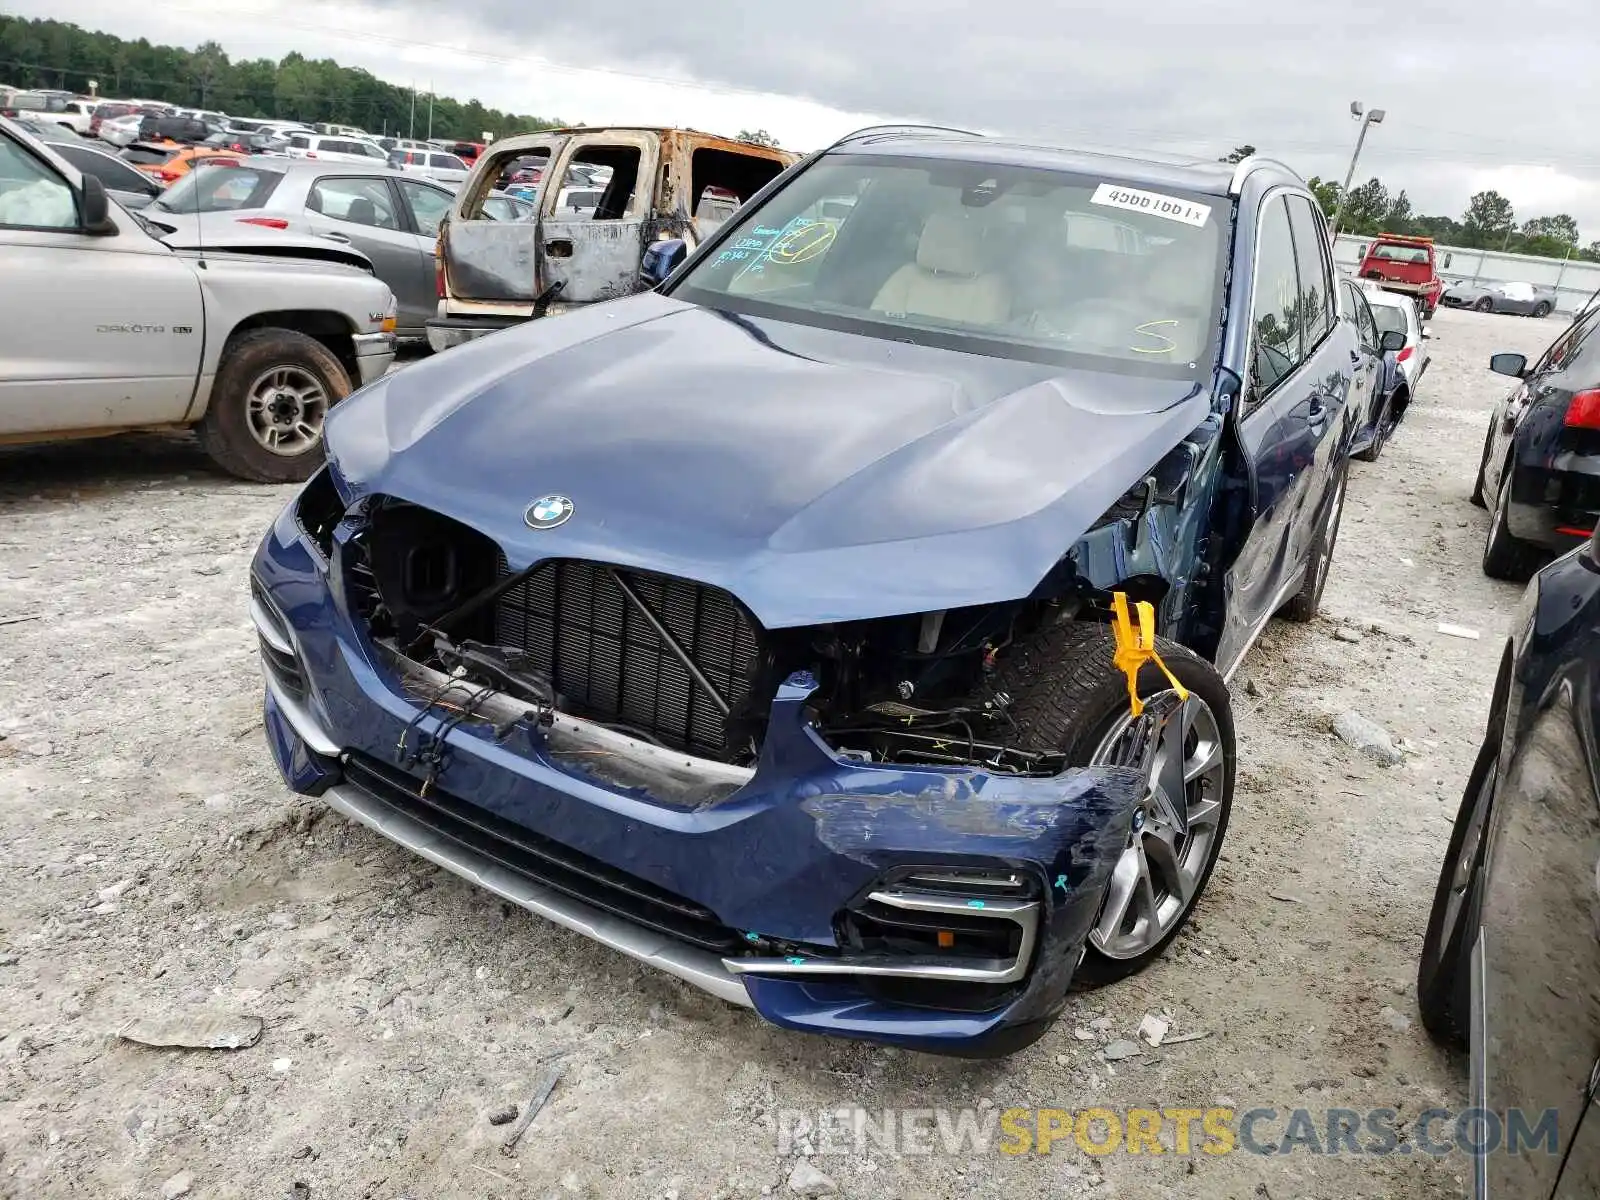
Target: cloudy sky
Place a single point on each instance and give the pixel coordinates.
(1478, 93)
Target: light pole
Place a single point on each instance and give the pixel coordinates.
(1373, 117)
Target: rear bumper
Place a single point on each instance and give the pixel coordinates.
(447, 332)
(1555, 507)
(374, 355)
(741, 890)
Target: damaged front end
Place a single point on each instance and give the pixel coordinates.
(839, 824)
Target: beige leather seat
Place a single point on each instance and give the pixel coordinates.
(948, 280)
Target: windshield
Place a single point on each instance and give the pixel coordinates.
(219, 189)
(1009, 261)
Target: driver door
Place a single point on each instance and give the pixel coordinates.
(596, 257)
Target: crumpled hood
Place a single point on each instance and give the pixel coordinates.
(816, 475)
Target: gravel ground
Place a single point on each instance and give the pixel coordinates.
(155, 865)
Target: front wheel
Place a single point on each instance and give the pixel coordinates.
(1541, 309)
(1068, 694)
(271, 397)
(1484, 305)
(1380, 435)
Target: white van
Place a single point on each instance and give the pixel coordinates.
(336, 149)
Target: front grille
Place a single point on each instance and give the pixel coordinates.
(607, 661)
(542, 860)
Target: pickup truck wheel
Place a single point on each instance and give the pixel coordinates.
(272, 395)
(1068, 694)
(1308, 600)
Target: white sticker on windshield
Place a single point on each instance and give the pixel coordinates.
(1171, 207)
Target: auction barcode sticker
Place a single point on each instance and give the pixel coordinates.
(1171, 207)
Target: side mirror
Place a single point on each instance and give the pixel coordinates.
(96, 208)
(662, 259)
(1447, 261)
(1392, 339)
(1514, 365)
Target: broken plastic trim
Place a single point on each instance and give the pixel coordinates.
(1023, 913)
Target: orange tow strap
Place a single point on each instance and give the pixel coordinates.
(1137, 647)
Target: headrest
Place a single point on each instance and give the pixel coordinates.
(950, 245)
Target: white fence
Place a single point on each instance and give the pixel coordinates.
(1573, 281)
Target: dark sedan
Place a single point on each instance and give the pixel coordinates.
(1511, 961)
(1540, 474)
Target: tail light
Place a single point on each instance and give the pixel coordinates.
(168, 176)
(438, 270)
(266, 222)
(1584, 411)
(1404, 354)
(311, 153)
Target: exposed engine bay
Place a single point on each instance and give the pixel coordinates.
(673, 663)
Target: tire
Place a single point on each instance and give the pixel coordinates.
(1444, 980)
(1541, 310)
(1307, 602)
(1068, 695)
(234, 431)
(1483, 462)
(1505, 556)
(1380, 435)
(1484, 305)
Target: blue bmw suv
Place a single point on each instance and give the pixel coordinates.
(762, 626)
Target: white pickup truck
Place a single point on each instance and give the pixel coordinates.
(104, 328)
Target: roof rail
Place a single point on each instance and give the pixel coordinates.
(1250, 163)
(883, 130)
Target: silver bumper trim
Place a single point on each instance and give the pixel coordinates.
(301, 719)
(699, 967)
(374, 354)
(270, 629)
(1024, 913)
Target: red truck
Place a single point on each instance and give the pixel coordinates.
(1404, 264)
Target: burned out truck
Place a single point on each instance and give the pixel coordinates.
(663, 184)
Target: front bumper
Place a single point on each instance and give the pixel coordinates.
(374, 355)
(660, 860)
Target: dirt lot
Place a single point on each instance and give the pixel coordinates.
(155, 865)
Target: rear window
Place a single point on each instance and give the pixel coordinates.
(1400, 254)
(219, 189)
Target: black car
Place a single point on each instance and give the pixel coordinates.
(1540, 473)
(1511, 961)
(174, 129)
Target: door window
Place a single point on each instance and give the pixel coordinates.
(1366, 323)
(31, 195)
(1274, 307)
(1316, 280)
(359, 201)
(428, 205)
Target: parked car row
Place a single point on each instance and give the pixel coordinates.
(1510, 964)
(104, 327)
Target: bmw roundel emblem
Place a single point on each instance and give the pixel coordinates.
(547, 512)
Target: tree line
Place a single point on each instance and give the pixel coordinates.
(1489, 222)
(56, 54)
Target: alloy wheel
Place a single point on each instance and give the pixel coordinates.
(285, 409)
(1174, 831)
